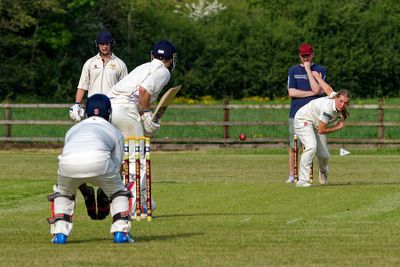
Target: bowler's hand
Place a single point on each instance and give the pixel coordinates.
(340, 125)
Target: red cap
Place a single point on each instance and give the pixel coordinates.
(305, 49)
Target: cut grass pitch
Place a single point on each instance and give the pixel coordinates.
(216, 208)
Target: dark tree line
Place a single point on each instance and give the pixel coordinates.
(244, 48)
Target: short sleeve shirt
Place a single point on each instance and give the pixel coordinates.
(98, 78)
(152, 76)
(298, 79)
(321, 109)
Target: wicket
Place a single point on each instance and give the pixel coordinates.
(296, 161)
(296, 158)
(126, 176)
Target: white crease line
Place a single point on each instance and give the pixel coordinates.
(293, 221)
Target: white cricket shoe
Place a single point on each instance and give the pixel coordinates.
(302, 183)
(290, 180)
(323, 178)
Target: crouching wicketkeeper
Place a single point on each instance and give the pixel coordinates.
(92, 153)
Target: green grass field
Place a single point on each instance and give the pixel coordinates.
(223, 207)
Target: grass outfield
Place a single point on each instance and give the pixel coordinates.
(216, 208)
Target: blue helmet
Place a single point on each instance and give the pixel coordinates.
(98, 105)
(104, 37)
(163, 50)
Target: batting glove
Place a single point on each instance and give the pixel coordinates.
(150, 127)
(76, 113)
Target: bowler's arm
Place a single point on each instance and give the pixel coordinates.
(324, 129)
(325, 86)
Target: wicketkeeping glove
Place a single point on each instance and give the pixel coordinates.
(76, 112)
(150, 127)
(103, 205)
(90, 201)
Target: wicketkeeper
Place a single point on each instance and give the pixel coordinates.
(93, 153)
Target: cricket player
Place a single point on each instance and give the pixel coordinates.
(131, 100)
(99, 73)
(93, 152)
(301, 90)
(311, 124)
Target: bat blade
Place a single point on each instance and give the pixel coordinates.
(165, 101)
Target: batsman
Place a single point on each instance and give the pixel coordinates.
(131, 100)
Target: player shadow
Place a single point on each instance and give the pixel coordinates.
(166, 237)
(212, 214)
(169, 182)
(357, 183)
(90, 240)
(138, 238)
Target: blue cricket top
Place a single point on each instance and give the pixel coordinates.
(298, 79)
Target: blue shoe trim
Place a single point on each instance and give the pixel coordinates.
(122, 237)
(59, 239)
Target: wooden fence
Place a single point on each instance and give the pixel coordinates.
(225, 123)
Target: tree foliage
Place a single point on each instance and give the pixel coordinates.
(225, 48)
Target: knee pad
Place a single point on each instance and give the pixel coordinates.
(325, 156)
(117, 212)
(59, 216)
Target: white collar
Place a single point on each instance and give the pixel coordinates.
(99, 56)
(334, 105)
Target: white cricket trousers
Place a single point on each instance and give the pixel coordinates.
(126, 117)
(110, 183)
(314, 144)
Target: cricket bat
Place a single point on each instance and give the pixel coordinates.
(165, 101)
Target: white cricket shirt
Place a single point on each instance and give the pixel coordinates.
(92, 147)
(98, 78)
(152, 76)
(321, 109)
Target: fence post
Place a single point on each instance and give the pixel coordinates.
(380, 121)
(226, 118)
(7, 116)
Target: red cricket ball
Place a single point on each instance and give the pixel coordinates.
(242, 137)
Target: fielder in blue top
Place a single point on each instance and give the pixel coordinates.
(302, 90)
